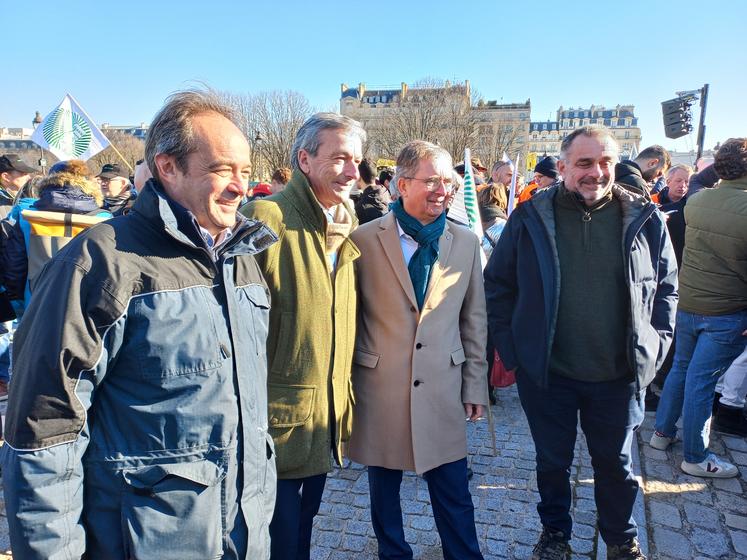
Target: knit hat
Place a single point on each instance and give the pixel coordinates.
(548, 167)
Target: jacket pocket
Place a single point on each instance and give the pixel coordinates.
(259, 305)
(291, 425)
(458, 357)
(170, 509)
(365, 358)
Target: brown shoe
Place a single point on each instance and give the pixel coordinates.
(628, 551)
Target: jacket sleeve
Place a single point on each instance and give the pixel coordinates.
(706, 179)
(473, 329)
(14, 262)
(665, 300)
(60, 356)
(501, 289)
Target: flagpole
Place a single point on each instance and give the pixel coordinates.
(113, 147)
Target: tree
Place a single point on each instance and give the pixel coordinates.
(431, 110)
(270, 120)
(131, 148)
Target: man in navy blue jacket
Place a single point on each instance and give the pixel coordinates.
(581, 292)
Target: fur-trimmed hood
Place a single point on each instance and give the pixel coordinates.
(74, 191)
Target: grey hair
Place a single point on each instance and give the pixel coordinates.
(592, 131)
(679, 167)
(497, 165)
(307, 138)
(409, 158)
(171, 130)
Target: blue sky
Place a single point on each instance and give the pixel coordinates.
(121, 59)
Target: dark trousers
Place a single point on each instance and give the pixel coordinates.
(452, 505)
(297, 503)
(610, 412)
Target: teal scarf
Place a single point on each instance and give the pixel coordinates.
(425, 256)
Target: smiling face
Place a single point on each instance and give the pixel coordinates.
(333, 171)
(588, 166)
(421, 203)
(216, 175)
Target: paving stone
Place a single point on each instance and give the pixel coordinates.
(728, 485)
(739, 458)
(735, 443)
(702, 516)
(357, 528)
(354, 543)
(675, 544)
(713, 543)
(665, 514)
(730, 502)
(582, 546)
(656, 454)
(320, 553)
(329, 539)
(497, 548)
(422, 523)
(739, 541)
(584, 531)
(736, 521)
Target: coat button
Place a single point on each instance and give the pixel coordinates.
(412, 308)
(418, 346)
(417, 382)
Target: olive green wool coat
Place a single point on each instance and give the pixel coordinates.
(312, 331)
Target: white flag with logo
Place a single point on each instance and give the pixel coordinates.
(69, 133)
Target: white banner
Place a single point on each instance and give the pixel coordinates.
(69, 133)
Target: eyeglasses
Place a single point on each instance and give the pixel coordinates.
(432, 183)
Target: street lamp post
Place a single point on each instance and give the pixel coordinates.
(257, 156)
(35, 123)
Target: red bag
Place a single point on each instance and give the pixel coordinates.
(499, 375)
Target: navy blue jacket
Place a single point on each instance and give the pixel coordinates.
(522, 286)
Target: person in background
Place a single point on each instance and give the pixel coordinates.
(279, 179)
(116, 188)
(712, 314)
(545, 174)
(374, 200)
(639, 175)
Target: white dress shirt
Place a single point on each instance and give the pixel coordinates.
(407, 243)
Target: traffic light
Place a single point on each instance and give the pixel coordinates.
(677, 117)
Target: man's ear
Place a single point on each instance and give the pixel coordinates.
(402, 185)
(166, 166)
(303, 161)
(561, 166)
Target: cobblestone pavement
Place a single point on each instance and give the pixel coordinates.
(683, 517)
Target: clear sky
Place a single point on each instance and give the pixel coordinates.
(121, 59)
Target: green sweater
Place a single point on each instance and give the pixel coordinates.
(590, 335)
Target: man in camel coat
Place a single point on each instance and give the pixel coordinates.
(419, 361)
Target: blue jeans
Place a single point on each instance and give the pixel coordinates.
(610, 412)
(453, 512)
(705, 347)
(5, 340)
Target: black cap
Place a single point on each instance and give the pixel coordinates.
(548, 167)
(13, 162)
(112, 170)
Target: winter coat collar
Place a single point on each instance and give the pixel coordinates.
(249, 236)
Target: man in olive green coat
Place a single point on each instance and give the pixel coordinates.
(312, 320)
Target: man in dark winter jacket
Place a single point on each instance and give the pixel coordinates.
(117, 189)
(137, 419)
(374, 200)
(585, 326)
(639, 175)
(14, 174)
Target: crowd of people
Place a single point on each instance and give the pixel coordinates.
(188, 358)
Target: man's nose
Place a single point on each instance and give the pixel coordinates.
(351, 170)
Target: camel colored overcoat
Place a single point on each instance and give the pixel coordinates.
(412, 371)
